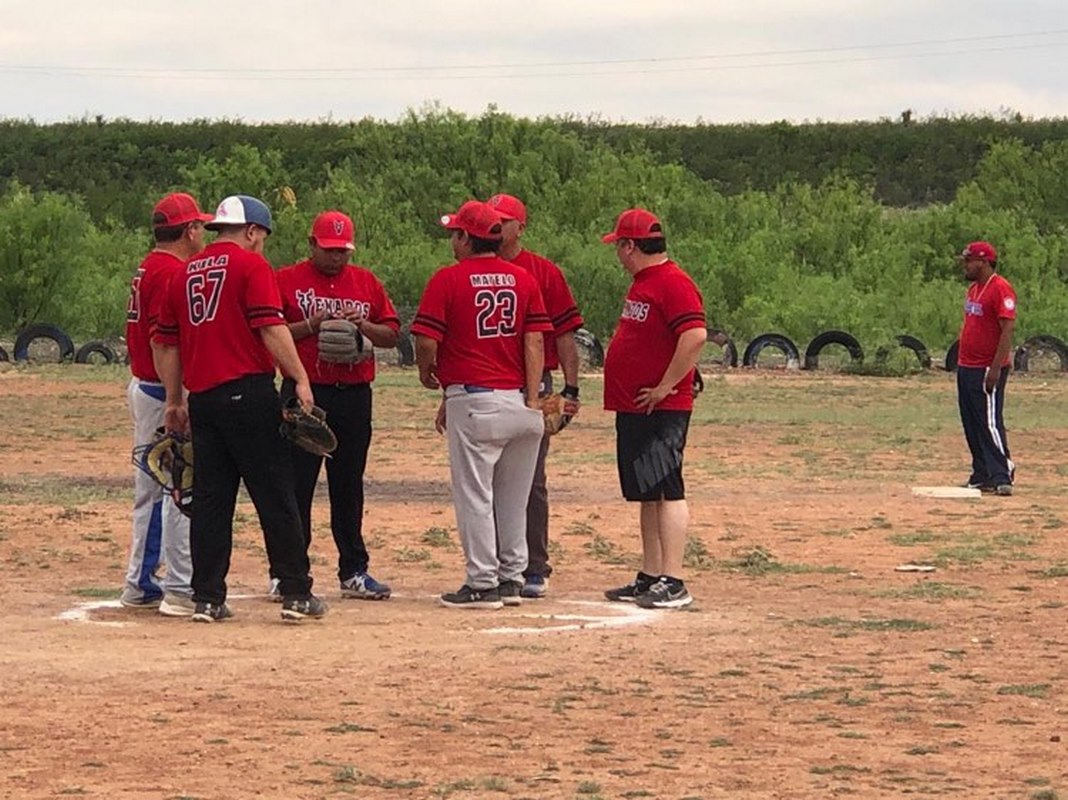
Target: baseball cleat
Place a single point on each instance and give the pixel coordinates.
(211, 612)
(299, 609)
(664, 594)
(176, 605)
(466, 597)
(535, 586)
(511, 593)
(130, 600)
(362, 586)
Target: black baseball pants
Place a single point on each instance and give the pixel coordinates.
(348, 413)
(981, 413)
(235, 437)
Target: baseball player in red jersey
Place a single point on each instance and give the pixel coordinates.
(983, 368)
(159, 528)
(648, 382)
(322, 287)
(221, 332)
(478, 335)
(560, 351)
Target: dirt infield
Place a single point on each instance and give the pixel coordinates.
(808, 667)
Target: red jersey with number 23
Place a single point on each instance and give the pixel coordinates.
(663, 301)
(478, 311)
(148, 291)
(306, 291)
(984, 308)
(214, 306)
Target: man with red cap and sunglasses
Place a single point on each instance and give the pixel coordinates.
(983, 368)
(159, 528)
(648, 382)
(478, 336)
(560, 351)
(327, 286)
(221, 332)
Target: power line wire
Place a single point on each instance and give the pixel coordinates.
(427, 72)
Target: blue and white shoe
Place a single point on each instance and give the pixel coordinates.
(534, 586)
(363, 587)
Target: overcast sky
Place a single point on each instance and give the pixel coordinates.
(718, 60)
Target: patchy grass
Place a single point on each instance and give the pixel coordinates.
(1040, 690)
(872, 624)
(933, 591)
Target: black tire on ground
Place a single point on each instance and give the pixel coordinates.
(849, 342)
(589, 347)
(909, 343)
(1050, 344)
(775, 341)
(3, 355)
(43, 331)
(95, 348)
(405, 349)
(951, 357)
(730, 350)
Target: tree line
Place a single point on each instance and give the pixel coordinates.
(794, 229)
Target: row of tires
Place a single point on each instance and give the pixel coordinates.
(1051, 345)
(100, 352)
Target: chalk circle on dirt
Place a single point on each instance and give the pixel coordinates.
(596, 615)
(44, 343)
(775, 341)
(846, 340)
(947, 492)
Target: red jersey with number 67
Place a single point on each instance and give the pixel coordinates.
(478, 311)
(148, 290)
(984, 308)
(214, 306)
(306, 291)
(663, 301)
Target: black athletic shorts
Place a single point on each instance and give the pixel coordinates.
(649, 454)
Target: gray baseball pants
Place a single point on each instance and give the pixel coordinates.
(493, 449)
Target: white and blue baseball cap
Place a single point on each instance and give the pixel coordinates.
(240, 209)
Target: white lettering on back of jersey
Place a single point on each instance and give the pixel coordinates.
(492, 279)
(207, 263)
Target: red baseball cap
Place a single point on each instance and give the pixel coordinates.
(635, 223)
(475, 218)
(178, 209)
(509, 207)
(981, 250)
(333, 230)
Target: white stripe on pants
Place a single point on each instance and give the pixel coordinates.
(493, 449)
(160, 531)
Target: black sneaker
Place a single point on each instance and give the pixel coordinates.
(1003, 490)
(296, 609)
(630, 592)
(665, 595)
(511, 593)
(211, 612)
(467, 597)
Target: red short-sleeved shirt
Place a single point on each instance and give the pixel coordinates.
(984, 307)
(306, 291)
(478, 311)
(214, 306)
(559, 302)
(148, 290)
(663, 301)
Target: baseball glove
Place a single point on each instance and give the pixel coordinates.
(168, 460)
(307, 429)
(340, 342)
(552, 409)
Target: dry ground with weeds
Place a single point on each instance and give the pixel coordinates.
(807, 667)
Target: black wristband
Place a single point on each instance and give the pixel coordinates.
(570, 392)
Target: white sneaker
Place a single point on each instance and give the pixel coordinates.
(273, 593)
(175, 605)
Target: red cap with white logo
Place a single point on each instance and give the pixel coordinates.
(984, 251)
(333, 230)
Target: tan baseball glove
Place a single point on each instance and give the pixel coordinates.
(340, 342)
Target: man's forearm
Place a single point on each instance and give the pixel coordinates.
(534, 357)
(687, 351)
(169, 368)
(279, 342)
(569, 360)
(379, 334)
(1004, 344)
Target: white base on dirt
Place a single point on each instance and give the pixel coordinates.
(946, 491)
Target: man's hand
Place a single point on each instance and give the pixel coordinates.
(304, 394)
(428, 376)
(439, 418)
(176, 418)
(993, 375)
(647, 399)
